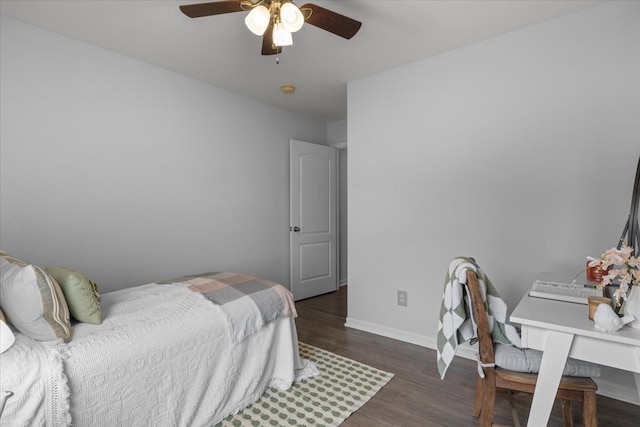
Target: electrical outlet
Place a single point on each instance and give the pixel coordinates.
(402, 298)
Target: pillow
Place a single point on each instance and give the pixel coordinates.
(32, 301)
(6, 334)
(80, 292)
(3, 254)
(529, 360)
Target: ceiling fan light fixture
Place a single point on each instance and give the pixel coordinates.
(281, 37)
(257, 20)
(291, 17)
(276, 20)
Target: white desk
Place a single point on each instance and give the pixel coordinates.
(561, 330)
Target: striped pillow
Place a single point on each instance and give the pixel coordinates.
(32, 301)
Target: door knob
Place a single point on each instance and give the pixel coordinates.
(296, 229)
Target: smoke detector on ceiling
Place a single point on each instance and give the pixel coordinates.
(288, 88)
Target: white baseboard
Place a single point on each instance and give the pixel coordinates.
(342, 283)
(615, 391)
(605, 387)
(390, 332)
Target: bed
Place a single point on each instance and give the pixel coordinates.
(183, 352)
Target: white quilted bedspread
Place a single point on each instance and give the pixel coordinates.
(162, 357)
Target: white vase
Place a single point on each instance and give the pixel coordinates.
(632, 306)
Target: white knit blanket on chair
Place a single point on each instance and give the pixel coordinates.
(457, 324)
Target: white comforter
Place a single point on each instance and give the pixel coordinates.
(162, 357)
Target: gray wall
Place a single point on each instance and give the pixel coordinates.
(131, 173)
(520, 151)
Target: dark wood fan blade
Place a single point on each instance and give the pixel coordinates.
(328, 20)
(213, 8)
(267, 42)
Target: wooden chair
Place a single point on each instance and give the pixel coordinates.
(501, 380)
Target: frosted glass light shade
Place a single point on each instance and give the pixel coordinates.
(291, 17)
(257, 20)
(281, 37)
(6, 337)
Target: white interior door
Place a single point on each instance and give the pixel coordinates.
(313, 219)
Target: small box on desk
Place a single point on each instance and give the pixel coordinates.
(594, 302)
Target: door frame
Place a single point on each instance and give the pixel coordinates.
(339, 146)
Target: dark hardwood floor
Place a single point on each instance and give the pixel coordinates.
(416, 396)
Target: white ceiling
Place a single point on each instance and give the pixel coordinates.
(220, 50)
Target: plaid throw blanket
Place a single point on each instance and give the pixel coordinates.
(457, 324)
(247, 302)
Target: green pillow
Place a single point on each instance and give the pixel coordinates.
(80, 292)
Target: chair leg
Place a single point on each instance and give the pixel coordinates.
(589, 409)
(488, 399)
(514, 413)
(477, 406)
(567, 415)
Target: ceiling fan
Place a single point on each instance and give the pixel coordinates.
(275, 20)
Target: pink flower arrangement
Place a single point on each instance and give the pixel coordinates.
(619, 264)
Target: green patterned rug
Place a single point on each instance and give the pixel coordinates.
(325, 400)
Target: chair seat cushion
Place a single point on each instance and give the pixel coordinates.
(529, 360)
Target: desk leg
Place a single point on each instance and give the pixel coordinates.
(554, 357)
(637, 374)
